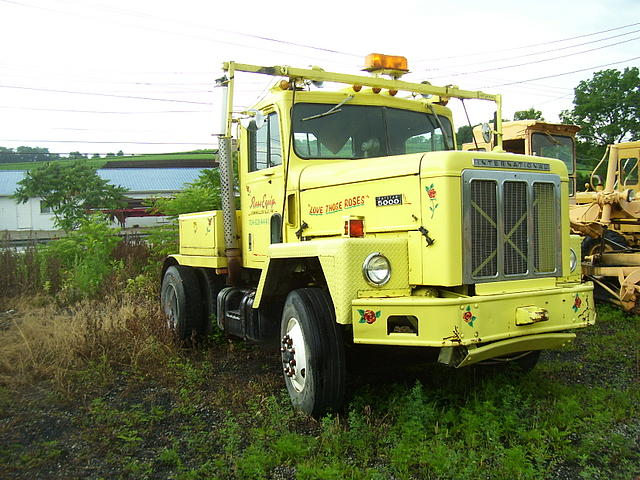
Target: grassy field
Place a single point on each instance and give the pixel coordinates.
(100, 162)
(100, 391)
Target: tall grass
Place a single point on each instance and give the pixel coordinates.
(21, 272)
(43, 341)
(88, 300)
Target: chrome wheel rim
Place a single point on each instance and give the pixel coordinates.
(170, 306)
(294, 355)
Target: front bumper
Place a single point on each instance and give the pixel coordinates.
(476, 321)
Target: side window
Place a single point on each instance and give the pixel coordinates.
(265, 147)
(629, 171)
(43, 208)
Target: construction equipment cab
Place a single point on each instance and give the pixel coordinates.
(532, 137)
(359, 223)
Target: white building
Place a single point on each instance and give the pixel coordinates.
(141, 183)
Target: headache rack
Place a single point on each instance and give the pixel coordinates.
(511, 225)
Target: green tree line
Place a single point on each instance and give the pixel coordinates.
(41, 154)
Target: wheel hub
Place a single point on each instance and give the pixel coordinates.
(171, 307)
(293, 352)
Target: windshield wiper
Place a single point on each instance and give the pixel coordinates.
(552, 138)
(444, 133)
(332, 110)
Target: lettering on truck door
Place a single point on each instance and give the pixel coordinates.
(263, 191)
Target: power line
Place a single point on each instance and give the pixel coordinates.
(210, 144)
(102, 111)
(555, 99)
(242, 34)
(535, 53)
(532, 44)
(562, 74)
(75, 92)
(187, 35)
(536, 61)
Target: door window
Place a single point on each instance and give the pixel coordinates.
(265, 147)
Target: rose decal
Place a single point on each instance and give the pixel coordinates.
(468, 316)
(577, 303)
(433, 198)
(369, 316)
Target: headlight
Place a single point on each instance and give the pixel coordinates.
(573, 260)
(631, 195)
(376, 269)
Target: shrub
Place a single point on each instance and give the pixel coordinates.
(85, 256)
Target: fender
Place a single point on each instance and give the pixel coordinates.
(341, 261)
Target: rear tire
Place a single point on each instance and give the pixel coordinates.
(182, 302)
(313, 354)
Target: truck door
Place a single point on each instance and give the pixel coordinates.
(263, 194)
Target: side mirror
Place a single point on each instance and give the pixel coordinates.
(253, 121)
(486, 132)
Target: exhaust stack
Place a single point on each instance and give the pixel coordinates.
(224, 87)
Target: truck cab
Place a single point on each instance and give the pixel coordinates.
(359, 223)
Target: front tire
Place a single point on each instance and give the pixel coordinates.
(182, 302)
(522, 362)
(312, 352)
(612, 241)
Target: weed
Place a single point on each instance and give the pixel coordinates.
(170, 457)
(138, 469)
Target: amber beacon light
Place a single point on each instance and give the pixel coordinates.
(378, 61)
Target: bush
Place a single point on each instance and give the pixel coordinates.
(85, 256)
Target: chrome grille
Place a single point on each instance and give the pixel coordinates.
(484, 224)
(545, 238)
(511, 225)
(515, 228)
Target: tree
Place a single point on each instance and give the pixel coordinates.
(76, 155)
(607, 107)
(531, 114)
(464, 135)
(201, 195)
(71, 191)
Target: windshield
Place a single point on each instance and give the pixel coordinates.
(362, 131)
(554, 146)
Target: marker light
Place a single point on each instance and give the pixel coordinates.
(284, 85)
(378, 61)
(354, 227)
(357, 88)
(376, 89)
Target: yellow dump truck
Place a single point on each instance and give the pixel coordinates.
(359, 223)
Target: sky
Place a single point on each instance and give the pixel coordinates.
(100, 76)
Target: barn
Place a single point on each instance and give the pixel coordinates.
(141, 183)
